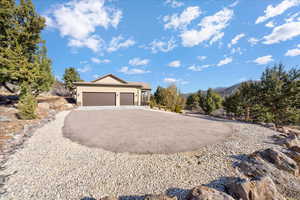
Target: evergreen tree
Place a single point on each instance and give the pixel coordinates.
(210, 101)
(23, 60)
(193, 101)
(71, 76)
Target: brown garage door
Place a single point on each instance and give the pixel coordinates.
(99, 99)
(126, 99)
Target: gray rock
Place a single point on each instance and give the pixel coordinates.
(256, 167)
(4, 119)
(159, 197)
(207, 193)
(280, 160)
(45, 106)
(261, 188)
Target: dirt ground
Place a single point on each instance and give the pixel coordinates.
(142, 131)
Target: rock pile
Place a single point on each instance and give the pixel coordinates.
(267, 174)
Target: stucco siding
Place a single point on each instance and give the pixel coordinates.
(116, 89)
(109, 80)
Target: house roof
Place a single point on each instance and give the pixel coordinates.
(123, 83)
(111, 75)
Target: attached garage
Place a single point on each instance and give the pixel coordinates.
(126, 99)
(98, 99)
(110, 90)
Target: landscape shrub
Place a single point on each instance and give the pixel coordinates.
(168, 98)
(27, 105)
(210, 101)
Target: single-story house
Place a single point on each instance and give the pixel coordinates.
(110, 90)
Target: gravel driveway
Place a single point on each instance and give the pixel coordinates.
(142, 131)
(51, 166)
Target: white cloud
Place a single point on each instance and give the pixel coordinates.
(138, 62)
(293, 17)
(283, 32)
(234, 4)
(225, 61)
(175, 81)
(197, 68)
(175, 63)
(237, 50)
(93, 42)
(132, 71)
(95, 76)
(84, 69)
(293, 52)
(263, 60)
(118, 42)
(98, 61)
(201, 57)
(78, 20)
(211, 28)
(253, 41)
(163, 46)
(176, 21)
(174, 3)
(298, 45)
(236, 39)
(279, 9)
(270, 24)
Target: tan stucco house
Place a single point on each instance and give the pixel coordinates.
(110, 90)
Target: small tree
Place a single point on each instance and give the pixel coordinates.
(192, 101)
(210, 101)
(169, 97)
(27, 104)
(71, 76)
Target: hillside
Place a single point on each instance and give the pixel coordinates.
(223, 91)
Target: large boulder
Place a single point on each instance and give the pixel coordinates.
(44, 106)
(280, 160)
(109, 198)
(255, 167)
(261, 188)
(207, 193)
(289, 141)
(159, 197)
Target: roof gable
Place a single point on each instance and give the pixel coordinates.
(109, 79)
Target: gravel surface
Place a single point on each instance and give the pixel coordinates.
(53, 167)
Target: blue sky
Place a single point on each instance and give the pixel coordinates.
(195, 44)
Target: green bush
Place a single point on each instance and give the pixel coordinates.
(27, 106)
(178, 109)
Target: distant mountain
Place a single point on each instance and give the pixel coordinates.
(226, 91)
(223, 91)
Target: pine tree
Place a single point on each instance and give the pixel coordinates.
(23, 60)
(210, 101)
(193, 101)
(71, 76)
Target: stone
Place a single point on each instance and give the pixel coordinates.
(262, 188)
(207, 193)
(295, 148)
(280, 160)
(159, 197)
(68, 106)
(270, 125)
(4, 119)
(255, 167)
(290, 141)
(109, 198)
(294, 155)
(44, 106)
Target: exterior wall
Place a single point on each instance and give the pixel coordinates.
(117, 90)
(109, 80)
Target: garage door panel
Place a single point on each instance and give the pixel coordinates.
(99, 99)
(126, 99)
